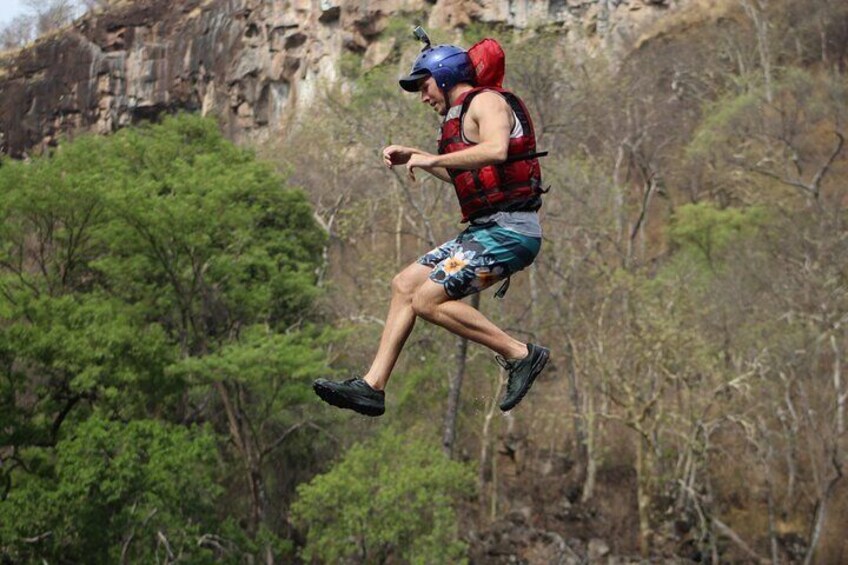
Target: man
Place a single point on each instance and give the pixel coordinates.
(486, 150)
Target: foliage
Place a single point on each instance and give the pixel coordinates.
(139, 490)
(145, 278)
(761, 140)
(706, 231)
(42, 17)
(477, 31)
(393, 496)
(694, 304)
(399, 27)
(691, 288)
(692, 301)
(254, 262)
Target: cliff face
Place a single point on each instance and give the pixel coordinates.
(252, 63)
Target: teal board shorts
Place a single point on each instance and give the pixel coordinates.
(479, 257)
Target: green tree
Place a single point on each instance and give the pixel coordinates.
(393, 496)
(116, 492)
(704, 230)
(150, 281)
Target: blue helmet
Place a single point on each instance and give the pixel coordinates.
(448, 64)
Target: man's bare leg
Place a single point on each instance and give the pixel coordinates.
(413, 294)
(526, 361)
(433, 304)
(399, 323)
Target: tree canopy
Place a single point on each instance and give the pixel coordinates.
(155, 287)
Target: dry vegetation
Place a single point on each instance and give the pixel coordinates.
(692, 283)
(43, 17)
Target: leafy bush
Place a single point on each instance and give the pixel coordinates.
(144, 488)
(390, 497)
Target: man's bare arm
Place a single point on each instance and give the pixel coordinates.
(400, 155)
(440, 173)
(491, 117)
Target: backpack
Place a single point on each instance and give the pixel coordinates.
(489, 62)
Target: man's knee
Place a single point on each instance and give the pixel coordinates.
(404, 285)
(409, 280)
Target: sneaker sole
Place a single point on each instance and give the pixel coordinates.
(333, 398)
(538, 367)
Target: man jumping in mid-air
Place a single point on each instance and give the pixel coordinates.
(486, 151)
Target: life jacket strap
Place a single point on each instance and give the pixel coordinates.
(526, 156)
(502, 290)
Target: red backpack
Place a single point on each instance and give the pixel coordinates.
(489, 63)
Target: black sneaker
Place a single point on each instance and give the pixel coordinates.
(522, 373)
(354, 394)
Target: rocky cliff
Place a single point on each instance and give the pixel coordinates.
(252, 63)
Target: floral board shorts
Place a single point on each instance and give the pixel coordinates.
(479, 257)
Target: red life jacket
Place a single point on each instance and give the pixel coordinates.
(511, 186)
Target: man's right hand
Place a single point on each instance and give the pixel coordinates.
(400, 155)
(396, 155)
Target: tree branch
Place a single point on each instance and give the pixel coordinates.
(823, 171)
(734, 537)
(292, 429)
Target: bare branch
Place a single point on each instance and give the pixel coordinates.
(167, 544)
(789, 182)
(734, 537)
(814, 185)
(39, 538)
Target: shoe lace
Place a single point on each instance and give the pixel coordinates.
(509, 366)
(505, 363)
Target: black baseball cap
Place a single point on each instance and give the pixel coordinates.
(412, 81)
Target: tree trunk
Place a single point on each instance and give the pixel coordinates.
(399, 235)
(487, 458)
(251, 460)
(772, 530)
(590, 452)
(756, 10)
(836, 460)
(821, 518)
(643, 495)
(455, 388)
(837, 388)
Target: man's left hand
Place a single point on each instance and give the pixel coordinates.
(419, 160)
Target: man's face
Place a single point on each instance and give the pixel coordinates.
(431, 94)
